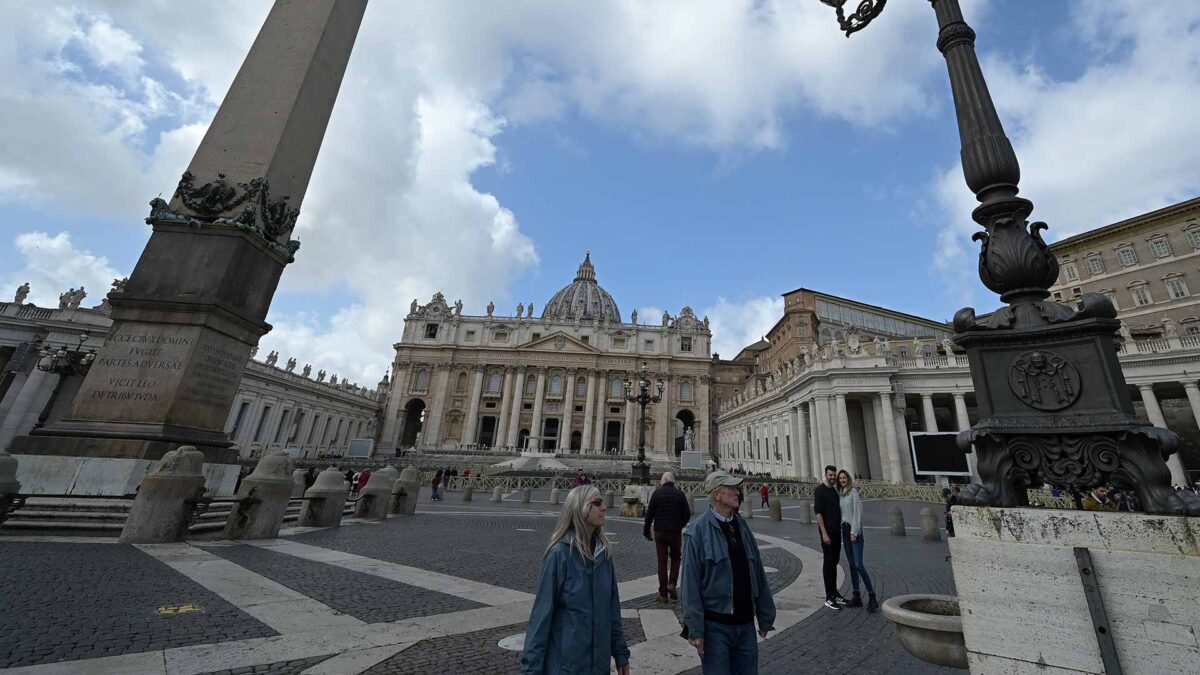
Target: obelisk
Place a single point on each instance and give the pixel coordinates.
(197, 300)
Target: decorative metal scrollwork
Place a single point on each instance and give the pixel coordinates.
(866, 11)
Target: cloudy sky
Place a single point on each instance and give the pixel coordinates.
(709, 153)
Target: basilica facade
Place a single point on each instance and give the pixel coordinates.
(554, 383)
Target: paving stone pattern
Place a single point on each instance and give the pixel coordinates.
(363, 596)
(64, 602)
(278, 668)
(467, 653)
(495, 552)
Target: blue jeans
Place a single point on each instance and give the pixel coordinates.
(854, 556)
(729, 649)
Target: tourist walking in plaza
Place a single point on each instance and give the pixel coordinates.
(827, 504)
(724, 585)
(852, 537)
(575, 625)
(764, 492)
(437, 481)
(363, 477)
(668, 512)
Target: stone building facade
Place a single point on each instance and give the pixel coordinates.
(277, 407)
(551, 383)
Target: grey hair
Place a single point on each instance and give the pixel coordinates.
(668, 477)
(573, 519)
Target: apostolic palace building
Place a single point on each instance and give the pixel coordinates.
(551, 382)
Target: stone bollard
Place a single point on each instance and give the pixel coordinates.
(776, 510)
(9, 485)
(746, 510)
(468, 492)
(525, 494)
(610, 500)
(555, 495)
(806, 514)
(897, 522)
(326, 500)
(166, 499)
(263, 498)
(929, 525)
(632, 506)
(298, 485)
(405, 491)
(497, 494)
(374, 499)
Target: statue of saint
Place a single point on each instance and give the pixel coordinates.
(1123, 331)
(666, 319)
(948, 345)
(320, 376)
(291, 365)
(306, 371)
(77, 298)
(458, 307)
(254, 351)
(633, 317)
(22, 293)
(706, 322)
(520, 309)
(272, 358)
(333, 379)
(1169, 328)
(412, 309)
(689, 440)
(530, 314)
(491, 308)
(64, 299)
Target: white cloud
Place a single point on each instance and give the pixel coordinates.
(1116, 141)
(53, 265)
(736, 326)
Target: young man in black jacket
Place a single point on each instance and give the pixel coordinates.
(828, 508)
(669, 510)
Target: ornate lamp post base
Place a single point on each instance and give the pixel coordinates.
(641, 473)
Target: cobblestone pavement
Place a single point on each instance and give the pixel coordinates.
(402, 597)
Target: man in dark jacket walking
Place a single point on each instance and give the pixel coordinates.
(668, 512)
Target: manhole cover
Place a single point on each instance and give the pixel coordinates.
(515, 643)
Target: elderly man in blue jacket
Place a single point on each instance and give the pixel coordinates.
(724, 585)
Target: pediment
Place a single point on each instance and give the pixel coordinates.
(559, 341)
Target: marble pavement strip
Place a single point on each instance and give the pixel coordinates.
(272, 603)
(413, 576)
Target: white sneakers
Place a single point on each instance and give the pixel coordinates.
(832, 605)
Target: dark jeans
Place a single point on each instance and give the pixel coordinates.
(765, 503)
(668, 544)
(729, 649)
(854, 556)
(832, 552)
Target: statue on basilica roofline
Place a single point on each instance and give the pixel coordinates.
(333, 379)
(520, 309)
(272, 358)
(458, 307)
(412, 309)
(320, 376)
(948, 345)
(633, 317)
(291, 365)
(530, 314)
(306, 371)
(1123, 331)
(22, 293)
(666, 319)
(491, 308)
(1169, 328)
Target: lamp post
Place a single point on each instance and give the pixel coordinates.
(1054, 406)
(64, 361)
(643, 397)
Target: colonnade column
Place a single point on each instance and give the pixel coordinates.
(1154, 412)
(514, 418)
(799, 432)
(564, 432)
(468, 437)
(927, 414)
(26, 401)
(888, 415)
(630, 434)
(824, 433)
(601, 408)
(964, 423)
(535, 427)
(662, 425)
(505, 403)
(902, 441)
(845, 448)
(589, 413)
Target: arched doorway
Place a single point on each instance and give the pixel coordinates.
(576, 441)
(684, 420)
(414, 420)
(549, 434)
(523, 439)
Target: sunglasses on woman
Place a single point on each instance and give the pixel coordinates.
(597, 501)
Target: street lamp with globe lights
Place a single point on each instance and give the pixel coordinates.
(643, 397)
(1054, 406)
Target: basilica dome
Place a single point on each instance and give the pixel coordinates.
(583, 299)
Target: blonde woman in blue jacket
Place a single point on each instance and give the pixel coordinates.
(852, 540)
(575, 625)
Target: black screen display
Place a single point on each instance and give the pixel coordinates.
(935, 454)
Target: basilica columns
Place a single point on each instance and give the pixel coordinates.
(505, 403)
(433, 433)
(630, 432)
(472, 423)
(663, 429)
(514, 419)
(589, 413)
(1154, 413)
(601, 408)
(27, 405)
(389, 437)
(927, 415)
(799, 430)
(535, 427)
(888, 416)
(564, 435)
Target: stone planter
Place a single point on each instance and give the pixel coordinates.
(929, 628)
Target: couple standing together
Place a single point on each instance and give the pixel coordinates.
(839, 520)
(575, 625)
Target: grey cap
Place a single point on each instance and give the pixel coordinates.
(716, 479)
